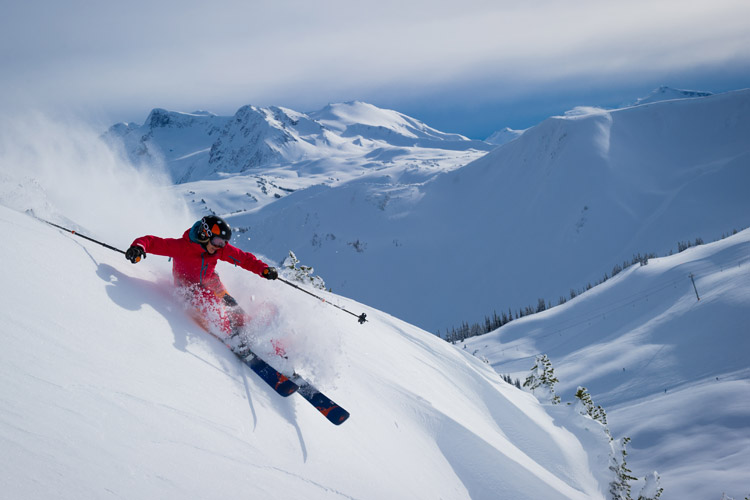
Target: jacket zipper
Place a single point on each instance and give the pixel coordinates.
(203, 266)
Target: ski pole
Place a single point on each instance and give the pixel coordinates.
(83, 236)
(361, 318)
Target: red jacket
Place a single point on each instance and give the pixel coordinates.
(192, 264)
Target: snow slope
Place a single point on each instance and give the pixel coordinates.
(672, 371)
(663, 93)
(110, 390)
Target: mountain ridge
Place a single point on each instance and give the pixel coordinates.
(256, 137)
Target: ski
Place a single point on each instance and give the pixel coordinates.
(325, 405)
(286, 386)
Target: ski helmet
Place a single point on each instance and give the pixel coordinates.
(211, 227)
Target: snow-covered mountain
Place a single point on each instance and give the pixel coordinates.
(553, 210)
(198, 146)
(663, 93)
(110, 389)
(671, 371)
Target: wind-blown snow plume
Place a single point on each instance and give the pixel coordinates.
(62, 170)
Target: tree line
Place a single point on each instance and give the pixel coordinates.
(494, 321)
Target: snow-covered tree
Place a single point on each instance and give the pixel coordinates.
(620, 485)
(542, 379)
(652, 489)
(586, 407)
(303, 274)
(724, 496)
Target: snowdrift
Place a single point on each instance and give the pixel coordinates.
(109, 389)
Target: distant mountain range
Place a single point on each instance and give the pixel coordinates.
(201, 145)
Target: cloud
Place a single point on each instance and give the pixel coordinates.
(228, 53)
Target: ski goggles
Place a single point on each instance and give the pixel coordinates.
(218, 242)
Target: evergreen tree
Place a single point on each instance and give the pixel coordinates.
(302, 274)
(541, 306)
(588, 408)
(620, 486)
(542, 379)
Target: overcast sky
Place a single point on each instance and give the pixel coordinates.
(470, 67)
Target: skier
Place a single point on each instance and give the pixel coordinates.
(194, 259)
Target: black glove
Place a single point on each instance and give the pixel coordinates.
(270, 273)
(135, 254)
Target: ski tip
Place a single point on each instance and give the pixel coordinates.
(343, 418)
(336, 415)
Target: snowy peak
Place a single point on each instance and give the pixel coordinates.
(367, 122)
(161, 118)
(339, 116)
(356, 115)
(275, 120)
(504, 136)
(665, 93)
(255, 136)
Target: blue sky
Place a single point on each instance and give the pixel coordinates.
(470, 67)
